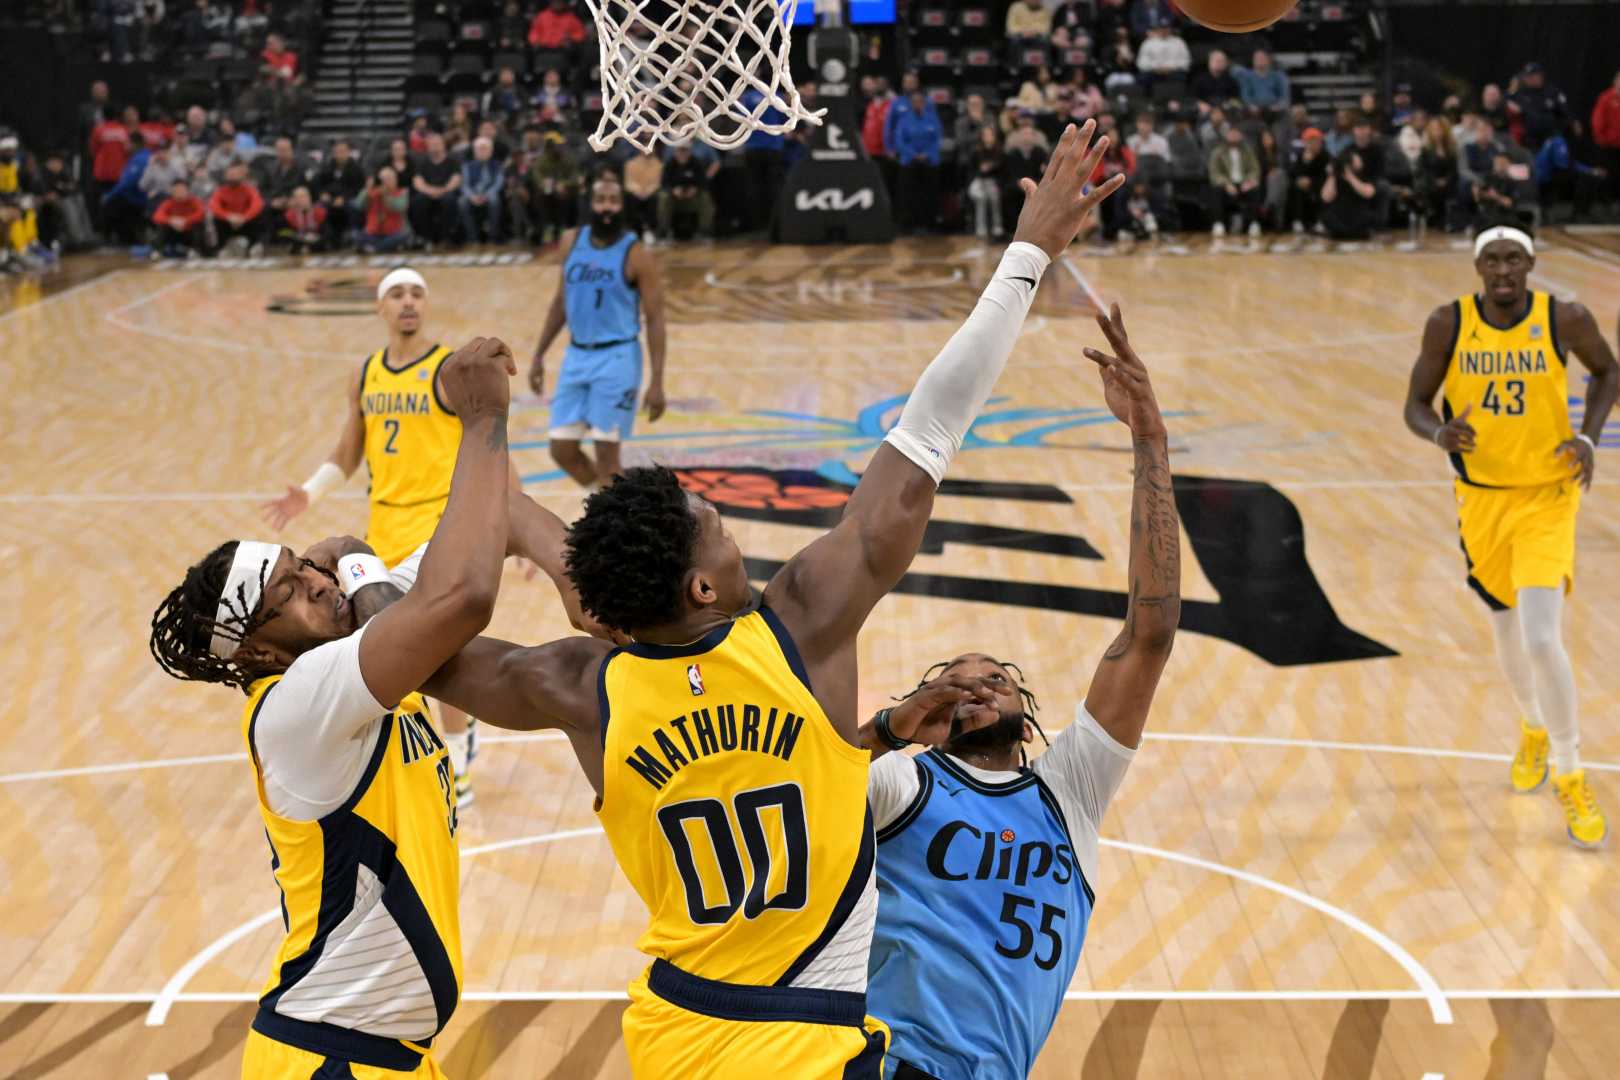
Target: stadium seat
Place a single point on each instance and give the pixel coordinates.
(477, 31)
(517, 61)
(975, 24)
(980, 59)
(934, 63)
(427, 64)
(432, 31)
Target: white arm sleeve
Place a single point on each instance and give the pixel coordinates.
(954, 387)
(316, 730)
(1084, 768)
(890, 786)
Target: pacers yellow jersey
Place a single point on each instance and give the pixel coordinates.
(369, 969)
(737, 811)
(1515, 380)
(411, 443)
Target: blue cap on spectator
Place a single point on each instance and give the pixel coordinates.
(1533, 68)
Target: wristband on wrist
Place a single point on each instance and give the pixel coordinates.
(885, 733)
(1587, 439)
(1437, 433)
(325, 479)
(355, 572)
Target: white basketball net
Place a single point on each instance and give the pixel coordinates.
(674, 70)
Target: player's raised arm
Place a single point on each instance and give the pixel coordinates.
(1439, 334)
(460, 574)
(826, 592)
(1578, 330)
(338, 466)
(1122, 688)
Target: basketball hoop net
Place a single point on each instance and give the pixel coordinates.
(708, 69)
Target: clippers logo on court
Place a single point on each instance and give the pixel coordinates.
(694, 679)
(834, 200)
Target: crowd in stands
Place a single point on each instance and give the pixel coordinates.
(1224, 148)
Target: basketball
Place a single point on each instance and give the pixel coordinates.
(1236, 16)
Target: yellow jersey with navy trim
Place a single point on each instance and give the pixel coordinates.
(411, 436)
(738, 812)
(1514, 377)
(369, 969)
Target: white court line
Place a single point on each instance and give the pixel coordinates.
(1080, 279)
(555, 736)
(1365, 748)
(27, 309)
(1439, 1007)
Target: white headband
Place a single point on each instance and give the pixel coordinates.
(1504, 232)
(403, 276)
(243, 587)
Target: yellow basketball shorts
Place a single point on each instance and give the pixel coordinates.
(266, 1059)
(1518, 538)
(396, 531)
(721, 1031)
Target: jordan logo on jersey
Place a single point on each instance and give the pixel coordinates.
(694, 678)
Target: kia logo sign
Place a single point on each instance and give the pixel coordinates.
(834, 199)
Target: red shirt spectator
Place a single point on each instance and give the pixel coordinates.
(877, 114)
(1606, 118)
(308, 219)
(187, 213)
(280, 59)
(156, 133)
(109, 151)
(556, 27)
(236, 200)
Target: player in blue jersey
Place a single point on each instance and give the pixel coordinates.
(987, 864)
(608, 280)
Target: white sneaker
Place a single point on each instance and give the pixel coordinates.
(1299, 228)
(1218, 230)
(1254, 230)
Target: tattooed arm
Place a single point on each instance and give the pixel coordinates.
(1122, 689)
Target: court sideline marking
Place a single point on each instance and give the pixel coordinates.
(54, 297)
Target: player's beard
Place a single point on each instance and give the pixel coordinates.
(605, 225)
(1004, 734)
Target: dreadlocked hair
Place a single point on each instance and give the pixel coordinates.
(1026, 696)
(184, 625)
(629, 553)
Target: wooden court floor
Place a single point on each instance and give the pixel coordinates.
(1314, 868)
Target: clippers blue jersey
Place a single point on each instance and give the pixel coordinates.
(603, 307)
(982, 911)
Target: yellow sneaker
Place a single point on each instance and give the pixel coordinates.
(1586, 825)
(1529, 770)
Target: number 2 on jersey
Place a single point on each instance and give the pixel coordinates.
(781, 805)
(392, 427)
(1498, 406)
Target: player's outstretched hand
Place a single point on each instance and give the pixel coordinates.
(1457, 435)
(1577, 454)
(1055, 208)
(280, 511)
(477, 377)
(1126, 386)
(926, 715)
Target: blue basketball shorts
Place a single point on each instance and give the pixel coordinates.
(597, 393)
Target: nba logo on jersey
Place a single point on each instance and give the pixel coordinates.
(694, 678)
(356, 571)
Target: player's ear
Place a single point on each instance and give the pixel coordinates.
(1029, 732)
(700, 591)
(260, 656)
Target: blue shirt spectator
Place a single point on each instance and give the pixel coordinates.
(899, 109)
(128, 187)
(917, 131)
(1263, 86)
(482, 176)
(1554, 162)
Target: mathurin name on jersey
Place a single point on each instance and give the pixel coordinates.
(1521, 362)
(705, 732)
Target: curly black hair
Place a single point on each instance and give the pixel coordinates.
(629, 553)
(184, 624)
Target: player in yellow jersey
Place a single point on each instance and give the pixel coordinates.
(354, 784)
(407, 438)
(1499, 361)
(723, 740)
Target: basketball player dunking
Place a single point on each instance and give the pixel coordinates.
(1498, 359)
(608, 280)
(723, 741)
(353, 780)
(986, 866)
(407, 438)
